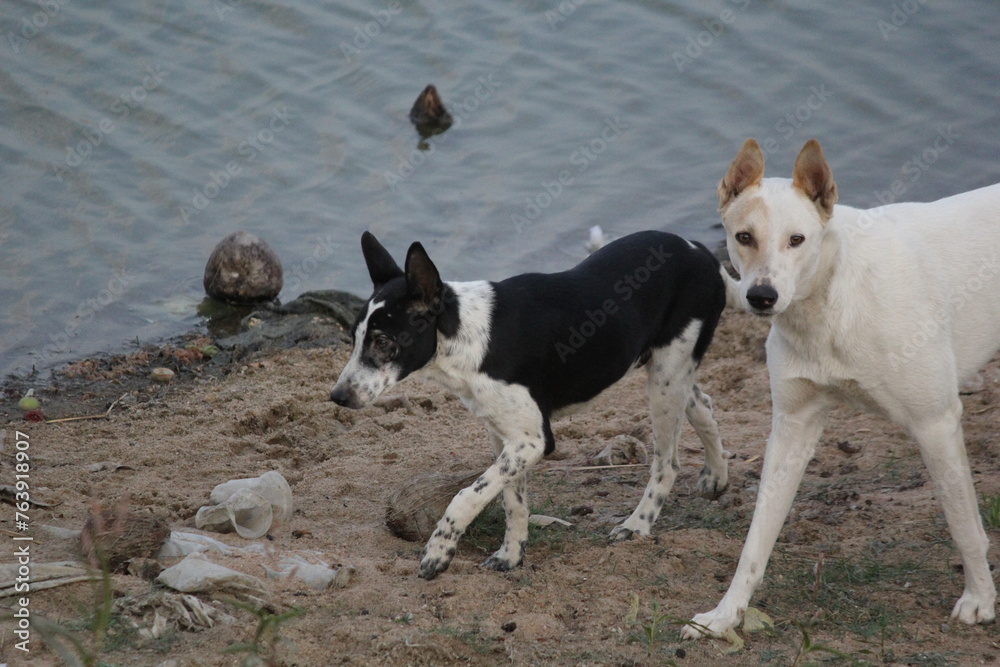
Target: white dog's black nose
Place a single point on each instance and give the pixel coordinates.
(762, 297)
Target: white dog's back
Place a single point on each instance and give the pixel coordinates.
(941, 259)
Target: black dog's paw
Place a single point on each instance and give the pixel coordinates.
(710, 485)
(621, 534)
(432, 567)
(500, 564)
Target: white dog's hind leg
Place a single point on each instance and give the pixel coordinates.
(943, 451)
(714, 477)
(789, 449)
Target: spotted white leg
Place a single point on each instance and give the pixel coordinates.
(669, 385)
(515, 505)
(507, 475)
(714, 477)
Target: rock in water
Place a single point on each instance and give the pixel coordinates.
(243, 269)
(428, 113)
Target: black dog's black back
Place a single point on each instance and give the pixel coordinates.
(567, 336)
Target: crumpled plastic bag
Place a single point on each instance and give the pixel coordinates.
(184, 544)
(44, 575)
(194, 574)
(318, 576)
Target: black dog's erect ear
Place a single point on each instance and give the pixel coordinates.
(422, 279)
(381, 266)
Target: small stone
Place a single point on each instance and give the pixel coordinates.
(243, 269)
(161, 375)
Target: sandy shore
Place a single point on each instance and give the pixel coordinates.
(864, 564)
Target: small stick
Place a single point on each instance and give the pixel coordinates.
(75, 419)
(575, 468)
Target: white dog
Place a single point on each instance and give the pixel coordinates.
(888, 309)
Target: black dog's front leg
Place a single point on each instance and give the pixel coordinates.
(507, 475)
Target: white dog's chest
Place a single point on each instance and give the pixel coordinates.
(829, 367)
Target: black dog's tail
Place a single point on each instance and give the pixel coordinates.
(733, 298)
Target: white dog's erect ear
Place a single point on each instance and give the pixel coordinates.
(381, 266)
(747, 169)
(423, 282)
(813, 176)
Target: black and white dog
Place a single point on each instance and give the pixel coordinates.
(521, 351)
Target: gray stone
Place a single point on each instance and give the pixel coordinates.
(243, 269)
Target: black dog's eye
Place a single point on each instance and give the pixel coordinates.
(796, 240)
(382, 343)
(744, 238)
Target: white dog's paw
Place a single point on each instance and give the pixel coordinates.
(712, 624)
(970, 609)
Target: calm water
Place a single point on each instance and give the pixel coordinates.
(135, 135)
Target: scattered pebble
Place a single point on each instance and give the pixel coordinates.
(848, 448)
(161, 375)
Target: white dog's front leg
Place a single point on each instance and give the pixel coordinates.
(943, 451)
(507, 474)
(789, 449)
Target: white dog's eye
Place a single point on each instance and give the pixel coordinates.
(796, 240)
(743, 238)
